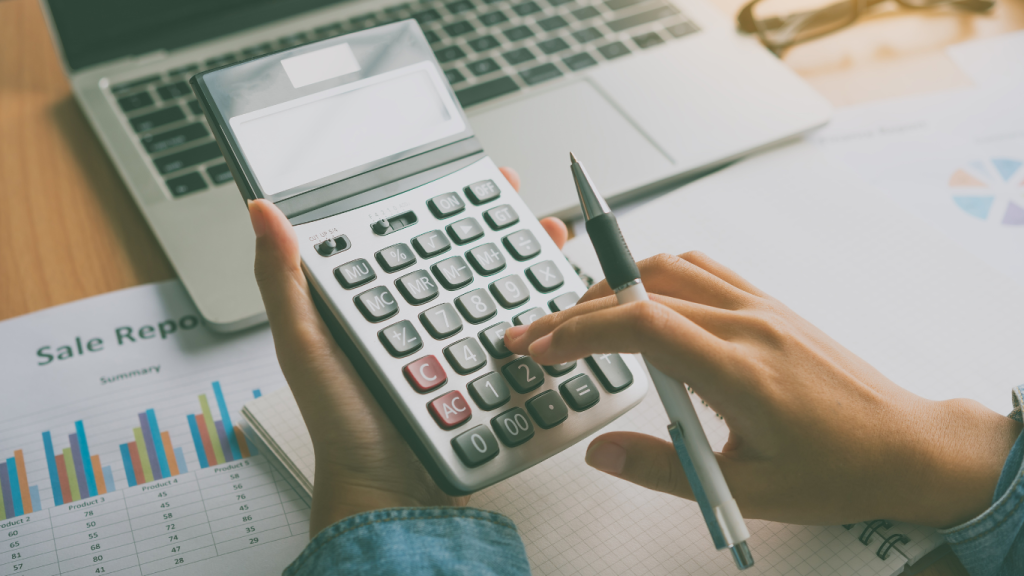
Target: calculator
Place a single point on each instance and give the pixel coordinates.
(418, 252)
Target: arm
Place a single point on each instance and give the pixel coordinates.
(817, 436)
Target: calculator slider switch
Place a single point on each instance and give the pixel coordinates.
(386, 226)
(332, 246)
(450, 410)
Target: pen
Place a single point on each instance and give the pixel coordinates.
(720, 511)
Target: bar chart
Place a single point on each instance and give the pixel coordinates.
(75, 473)
(18, 497)
(151, 455)
(218, 441)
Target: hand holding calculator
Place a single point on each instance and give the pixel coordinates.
(417, 250)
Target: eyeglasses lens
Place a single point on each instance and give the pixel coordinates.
(784, 22)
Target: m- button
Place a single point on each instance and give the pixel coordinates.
(450, 410)
(425, 374)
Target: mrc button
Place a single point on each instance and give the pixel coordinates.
(450, 410)
(377, 304)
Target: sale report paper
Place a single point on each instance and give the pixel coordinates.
(119, 451)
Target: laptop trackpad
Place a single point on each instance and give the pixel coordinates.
(536, 134)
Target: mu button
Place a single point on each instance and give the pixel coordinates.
(450, 410)
(425, 374)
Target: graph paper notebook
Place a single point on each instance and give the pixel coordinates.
(931, 317)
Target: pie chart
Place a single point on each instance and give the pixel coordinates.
(991, 190)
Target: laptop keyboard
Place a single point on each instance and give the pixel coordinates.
(487, 48)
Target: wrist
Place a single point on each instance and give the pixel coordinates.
(960, 452)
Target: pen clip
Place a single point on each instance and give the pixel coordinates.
(676, 432)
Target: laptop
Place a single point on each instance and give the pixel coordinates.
(646, 92)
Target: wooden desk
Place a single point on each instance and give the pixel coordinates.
(69, 229)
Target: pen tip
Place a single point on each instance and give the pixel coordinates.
(572, 158)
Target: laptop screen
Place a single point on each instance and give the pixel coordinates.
(94, 31)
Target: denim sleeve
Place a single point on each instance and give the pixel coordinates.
(422, 541)
(993, 544)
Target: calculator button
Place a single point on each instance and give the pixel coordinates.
(564, 302)
(465, 230)
(465, 356)
(510, 291)
(493, 339)
(486, 259)
(512, 427)
(395, 257)
(475, 446)
(441, 321)
(377, 304)
(400, 339)
(528, 317)
(425, 374)
(501, 217)
(417, 287)
(446, 205)
(611, 371)
(580, 392)
(450, 410)
(548, 409)
(431, 243)
(453, 273)
(355, 273)
(489, 391)
(523, 374)
(476, 306)
(522, 245)
(545, 276)
(559, 369)
(482, 192)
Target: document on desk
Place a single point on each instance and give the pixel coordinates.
(119, 450)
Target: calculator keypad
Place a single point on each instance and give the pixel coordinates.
(476, 306)
(528, 317)
(377, 304)
(486, 259)
(401, 339)
(465, 231)
(453, 273)
(441, 321)
(431, 244)
(522, 245)
(417, 287)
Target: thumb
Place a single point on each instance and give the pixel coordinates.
(641, 459)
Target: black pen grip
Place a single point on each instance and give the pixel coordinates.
(616, 261)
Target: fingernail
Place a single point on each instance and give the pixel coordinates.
(540, 345)
(259, 225)
(516, 331)
(607, 457)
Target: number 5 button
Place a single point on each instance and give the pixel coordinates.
(475, 446)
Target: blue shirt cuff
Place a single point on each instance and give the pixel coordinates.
(425, 541)
(993, 543)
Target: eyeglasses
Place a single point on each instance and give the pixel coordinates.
(783, 23)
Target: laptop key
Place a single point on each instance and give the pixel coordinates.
(293, 40)
(186, 158)
(526, 8)
(518, 33)
(613, 50)
(194, 106)
(557, 3)
(427, 16)
(579, 61)
(642, 18)
(486, 91)
(134, 83)
(553, 23)
(587, 35)
(192, 182)
(585, 13)
(449, 53)
(219, 174)
(432, 36)
(189, 69)
(454, 76)
(553, 45)
(483, 67)
(483, 43)
(135, 101)
(267, 47)
(152, 120)
(221, 60)
(494, 18)
(155, 143)
(539, 74)
(172, 91)
(648, 40)
(682, 29)
(458, 28)
(459, 6)
(519, 56)
(620, 4)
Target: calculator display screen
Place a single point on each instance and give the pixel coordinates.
(293, 143)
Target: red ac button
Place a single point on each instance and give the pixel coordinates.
(425, 374)
(450, 410)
